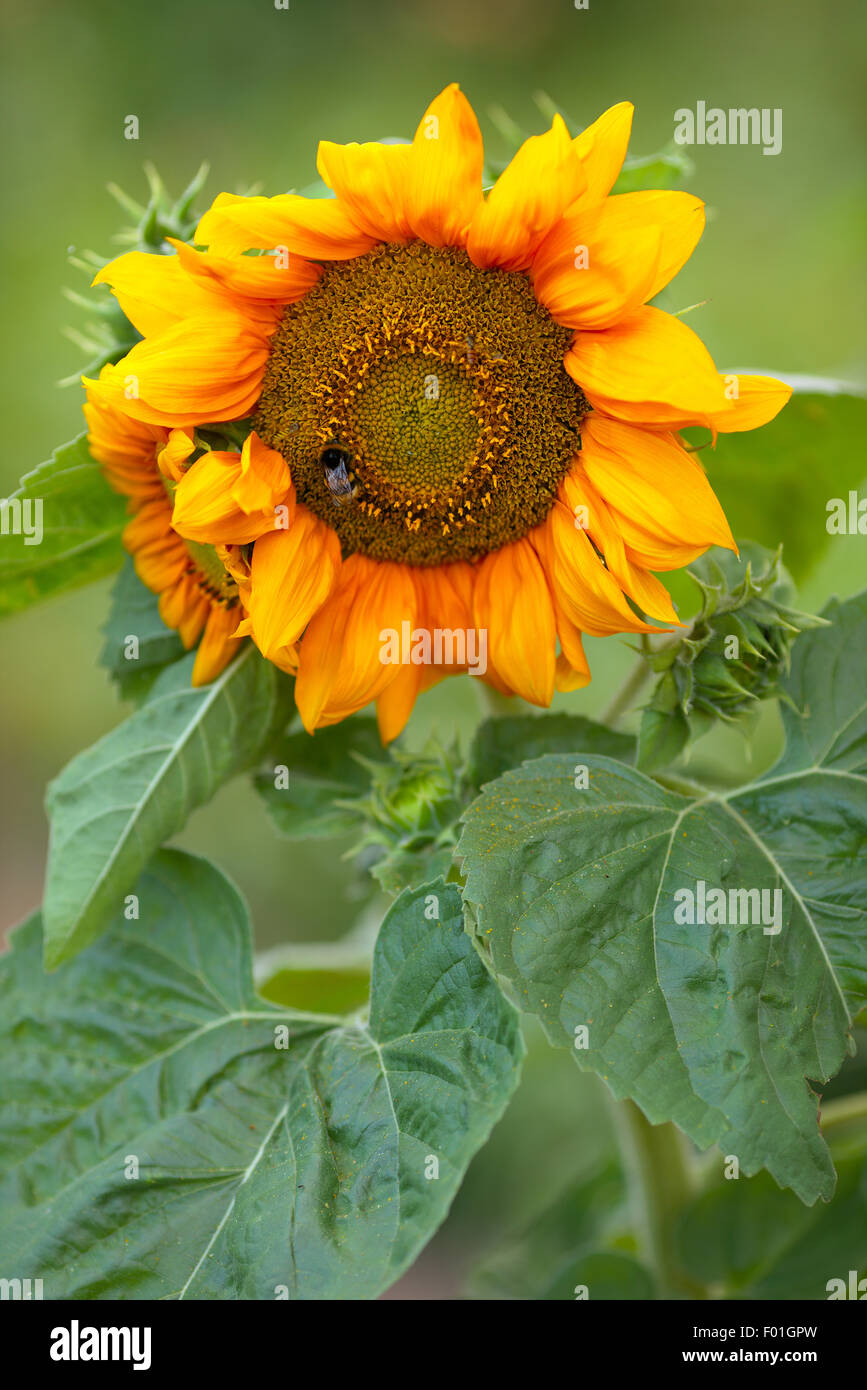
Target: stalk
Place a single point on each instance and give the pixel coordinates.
(661, 1182)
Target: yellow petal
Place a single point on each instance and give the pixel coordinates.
(602, 148)
(665, 508)
(602, 262)
(292, 574)
(601, 525)
(320, 228)
(528, 199)
(370, 182)
(197, 372)
(341, 667)
(513, 603)
(283, 279)
(444, 187)
(650, 368)
(155, 292)
(230, 499)
(751, 401)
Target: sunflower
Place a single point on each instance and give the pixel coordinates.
(199, 596)
(462, 410)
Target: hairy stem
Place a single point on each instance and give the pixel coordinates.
(661, 1182)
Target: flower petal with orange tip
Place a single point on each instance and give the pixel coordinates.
(588, 593)
(341, 667)
(292, 573)
(599, 263)
(370, 183)
(444, 187)
(198, 372)
(319, 228)
(528, 199)
(282, 279)
(513, 604)
(650, 368)
(218, 645)
(155, 292)
(602, 149)
(582, 499)
(230, 499)
(664, 506)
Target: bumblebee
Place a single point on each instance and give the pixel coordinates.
(339, 479)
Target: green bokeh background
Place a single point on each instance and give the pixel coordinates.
(251, 88)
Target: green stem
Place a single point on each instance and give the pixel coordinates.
(634, 683)
(661, 1182)
(839, 1112)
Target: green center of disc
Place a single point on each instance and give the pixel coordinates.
(416, 423)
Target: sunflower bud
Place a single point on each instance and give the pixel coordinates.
(409, 813)
(732, 657)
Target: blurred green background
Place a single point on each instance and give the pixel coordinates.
(251, 89)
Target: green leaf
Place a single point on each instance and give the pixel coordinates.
(114, 804)
(500, 744)
(170, 1135)
(320, 976)
(569, 1242)
(319, 771)
(81, 524)
(811, 453)
(580, 897)
(668, 169)
(134, 612)
(751, 1240)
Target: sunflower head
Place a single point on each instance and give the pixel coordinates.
(419, 406)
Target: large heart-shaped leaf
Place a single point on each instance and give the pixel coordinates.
(117, 802)
(81, 522)
(593, 903)
(171, 1135)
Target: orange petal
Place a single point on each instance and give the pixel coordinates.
(589, 594)
(664, 506)
(218, 644)
(582, 500)
(528, 199)
(370, 182)
(184, 607)
(651, 368)
(602, 148)
(281, 278)
(292, 574)
(200, 371)
(320, 228)
(602, 262)
(342, 667)
(395, 705)
(513, 603)
(231, 499)
(444, 187)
